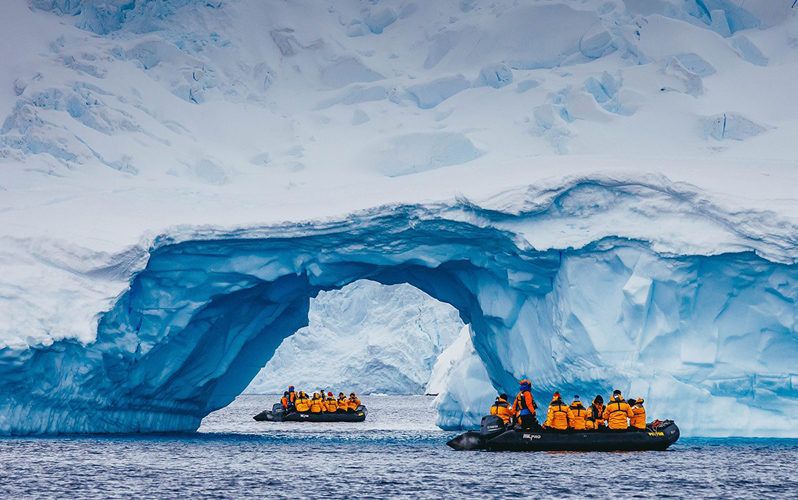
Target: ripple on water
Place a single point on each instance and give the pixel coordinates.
(396, 453)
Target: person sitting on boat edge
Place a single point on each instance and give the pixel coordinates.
(330, 404)
(302, 403)
(343, 404)
(316, 404)
(524, 406)
(638, 421)
(353, 403)
(559, 414)
(595, 414)
(617, 412)
(579, 415)
(502, 409)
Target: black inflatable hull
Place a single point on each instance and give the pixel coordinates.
(279, 416)
(519, 440)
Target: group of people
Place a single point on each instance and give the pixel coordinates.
(617, 415)
(300, 402)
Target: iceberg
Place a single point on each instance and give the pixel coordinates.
(602, 191)
(209, 309)
(366, 338)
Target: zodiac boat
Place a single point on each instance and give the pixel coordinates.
(278, 414)
(493, 436)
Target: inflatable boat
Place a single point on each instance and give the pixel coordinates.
(278, 414)
(494, 436)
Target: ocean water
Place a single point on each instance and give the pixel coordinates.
(397, 453)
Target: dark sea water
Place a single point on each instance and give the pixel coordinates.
(396, 453)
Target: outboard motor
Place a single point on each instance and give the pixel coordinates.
(277, 412)
(491, 426)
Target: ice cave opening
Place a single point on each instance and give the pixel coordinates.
(366, 337)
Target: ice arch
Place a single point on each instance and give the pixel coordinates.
(205, 315)
(209, 309)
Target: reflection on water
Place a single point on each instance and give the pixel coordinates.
(396, 453)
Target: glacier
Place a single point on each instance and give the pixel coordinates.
(602, 190)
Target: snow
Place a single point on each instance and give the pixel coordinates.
(604, 191)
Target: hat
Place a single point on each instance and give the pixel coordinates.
(598, 399)
(503, 396)
(576, 398)
(329, 394)
(557, 395)
(525, 382)
(616, 391)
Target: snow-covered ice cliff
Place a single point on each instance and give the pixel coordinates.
(603, 190)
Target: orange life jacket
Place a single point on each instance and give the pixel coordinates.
(524, 401)
(503, 410)
(558, 416)
(284, 401)
(639, 418)
(579, 413)
(302, 403)
(617, 412)
(596, 414)
(331, 405)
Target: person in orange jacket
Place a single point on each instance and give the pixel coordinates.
(559, 414)
(353, 403)
(525, 406)
(317, 403)
(638, 421)
(595, 414)
(503, 409)
(330, 404)
(617, 412)
(579, 413)
(343, 404)
(284, 400)
(302, 402)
